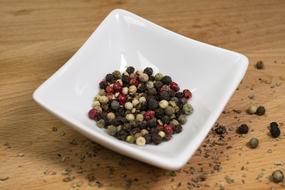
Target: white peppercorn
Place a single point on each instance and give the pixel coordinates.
(140, 141)
(143, 77)
(251, 110)
(132, 89)
(149, 84)
(163, 104)
(139, 117)
(144, 131)
(111, 116)
(130, 117)
(128, 105)
(142, 99)
(135, 102)
(125, 90)
(103, 99)
(96, 103)
(161, 133)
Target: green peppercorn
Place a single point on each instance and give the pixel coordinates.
(130, 139)
(158, 76)
(117, 74)
(169, 110)
(253, 143)
(174, 122)
(111, 130)
(182, 119)
(187, 108)
(277, 176)
(100, 123)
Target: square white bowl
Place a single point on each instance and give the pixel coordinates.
(123, 39)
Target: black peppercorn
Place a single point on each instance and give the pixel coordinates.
(179, 94)
(151, 78)
(152, 103)
(259, 65)
(165, 119)
(159, 113)
(260, 110)
(135, 130)
(103, 84)
(148, 71)
(109, 78)
(151, 123)
(178, 113)
(152, 91)
(115, 122)
(158, 85)
(122, 134)
(166, 79)
(156, 139)
(143, 106)
(142, 125)
(242, 129)
(130, 69)
(220, 130)
(125, 79)
(141, 88)
(171, 93)
(147, 138)
(120, 112)
(164, 95)
(274, 130)
(177, 129)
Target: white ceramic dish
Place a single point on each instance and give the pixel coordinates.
(122, 39)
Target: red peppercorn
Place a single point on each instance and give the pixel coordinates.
(122, 99)
(168, 129)
(109, 89)
(159, 127)
(187, 94)
(174, 86)
(117, 87)
(134, 81)
(92, 113)
(149, 114)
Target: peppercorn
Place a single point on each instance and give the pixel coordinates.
(144, 77)
(182, 119)
(158, 85)
(130, 117)
(171, 93)
(159, 113)
(115, 121)
(161, 133)
(100, 123)
(251, 110)
(134, 130)
(274, 130)
(169, 110)
(179, 94)
(164, 95)
(220, 130)
(130, 139)
(151, 123)
(187, 94)
(158, 76)
(134, 82)
(277, 176)
(125, 79)
(92, 113)
(132, 89)
(259, 65)
(111, 116)
(144, 132)
(115, 105)
(156, 139)
(163, 104)
(130, 69)
(149, 114)
(128, 105)
(140, 141)
(242, 129)
(117, 87)
(143, 106)
(142, 99)
(103, 99)
(168, 129)
(165, 88)
(260, 111)
(141, 88)
(109, 78)
(103, 84)
(142, 124)
(177, 129)
(111, 130)
(148, 139)
(139, 117)
(148, 71)
(167, 137)
(187, 109)
(122, 134)
(166, 79)
(149, 84)
(117, 74)
(165, 119)
(174, 122)
(253, 143)
(174, 86)
(152, 103)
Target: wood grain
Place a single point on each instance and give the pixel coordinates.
(37, 37)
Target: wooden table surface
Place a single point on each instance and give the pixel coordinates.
(38, 151)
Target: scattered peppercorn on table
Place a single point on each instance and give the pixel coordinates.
(245, 149)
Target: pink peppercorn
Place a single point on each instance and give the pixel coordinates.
(134, 81)
(92, 113)
(168, 129)
(109, 89)
(122, 99)
(117, 87)
(187, 94)
(149, 115)
(174, 86)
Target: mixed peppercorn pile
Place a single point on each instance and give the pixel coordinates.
(140, 107)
